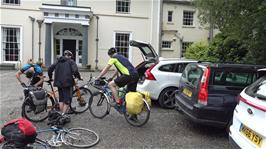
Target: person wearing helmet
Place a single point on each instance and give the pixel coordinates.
(33, 72)
(65, 68)
(129, 75)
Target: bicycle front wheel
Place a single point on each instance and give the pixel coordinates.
(80, 100)
(31, 112)
(140, 119)
(80, 137)
(99, 106)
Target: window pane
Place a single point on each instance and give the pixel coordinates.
(166, 44)
(11, 43)
(188, 18)
(123, 6)
(170, 14)
(122, 43)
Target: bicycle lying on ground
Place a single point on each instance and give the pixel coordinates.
(100, 105)
(38, 113)
(75, 137)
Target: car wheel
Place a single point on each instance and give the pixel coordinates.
(167, 98)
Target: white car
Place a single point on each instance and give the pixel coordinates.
(248, 130)
(162, 79)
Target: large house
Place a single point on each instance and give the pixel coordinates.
(43, 29)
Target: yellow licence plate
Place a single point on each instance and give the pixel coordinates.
(251, 135)
(187, 92)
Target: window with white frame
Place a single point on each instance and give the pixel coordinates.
(122, 43)
(123, 6)
(170, 16)
(10, 43)
(166, 44)
(188, 17)
(185, 45)
(16, 2)
(69, 2)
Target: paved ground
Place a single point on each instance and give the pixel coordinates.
(165, 129)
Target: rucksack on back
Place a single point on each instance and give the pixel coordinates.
(19, 132)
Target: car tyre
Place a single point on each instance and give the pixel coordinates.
(167, 98)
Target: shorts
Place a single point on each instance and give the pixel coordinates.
(130, 80)
(65, 95)
(35, 80)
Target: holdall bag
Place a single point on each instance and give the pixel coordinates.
(19, 132)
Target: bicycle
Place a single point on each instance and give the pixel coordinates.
(79, 104)
(75, 137)
(100, 105)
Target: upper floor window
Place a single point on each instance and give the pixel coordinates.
(188, 17)
(11, 43)
(122, 43)
(166, 44)
(170, 16)
(16, 2)
(122, 6)
(69, 2)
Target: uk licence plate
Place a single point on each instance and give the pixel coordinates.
(251, 135)
(187, 92)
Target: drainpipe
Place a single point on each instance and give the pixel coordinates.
(39, 43)
(32, 37)
(97, 42)
(160, 27)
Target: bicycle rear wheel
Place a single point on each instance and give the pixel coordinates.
(80, 137)
(29, 110)
(99, 106)
(140, 119)
(81, 104)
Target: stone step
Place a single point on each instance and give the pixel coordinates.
(7, 66)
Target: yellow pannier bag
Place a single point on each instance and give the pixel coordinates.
(134, 102)
(147, 97)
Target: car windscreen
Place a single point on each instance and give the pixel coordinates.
(258, 88)
(233, 78)
(192, 74)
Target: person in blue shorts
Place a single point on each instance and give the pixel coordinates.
(33, 72)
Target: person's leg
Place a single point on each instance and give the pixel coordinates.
(132, 86)
(67, 99)
(113, 87)
(61, 99)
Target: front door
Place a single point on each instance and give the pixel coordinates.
(71, 46)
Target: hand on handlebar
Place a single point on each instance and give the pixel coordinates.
(110, 79)
(23, 84)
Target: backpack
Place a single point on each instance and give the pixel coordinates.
(19, 132)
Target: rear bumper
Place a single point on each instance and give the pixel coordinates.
(152, 87)
(202, 114)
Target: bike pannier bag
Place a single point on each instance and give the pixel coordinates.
(19, 132)
(39, 98)
(134, 102)
(147, 97)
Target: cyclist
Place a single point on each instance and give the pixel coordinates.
(33, 72)
(129, 75)
(65, 68)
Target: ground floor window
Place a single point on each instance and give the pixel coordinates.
(166, 44)
(185, 45)
(122, 43)
(10, 43)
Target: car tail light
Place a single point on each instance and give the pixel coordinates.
(203, 92)
(148, 74)
(263, 108)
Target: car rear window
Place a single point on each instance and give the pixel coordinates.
(257, 89)
(192, 74)
(233, 78)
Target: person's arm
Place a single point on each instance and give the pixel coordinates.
(104, 71)
(51, 70)
(39, 82)
(75, 70)
(18, 73)
(114, 75)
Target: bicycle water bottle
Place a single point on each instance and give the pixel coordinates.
(121, 92)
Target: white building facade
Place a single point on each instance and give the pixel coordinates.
(180, 28)
(43, 29)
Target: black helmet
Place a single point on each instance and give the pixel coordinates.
(111, 51)
(68, 53)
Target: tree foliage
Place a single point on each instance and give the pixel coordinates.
(240, 20)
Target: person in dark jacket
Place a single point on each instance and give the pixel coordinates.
(65, 68)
